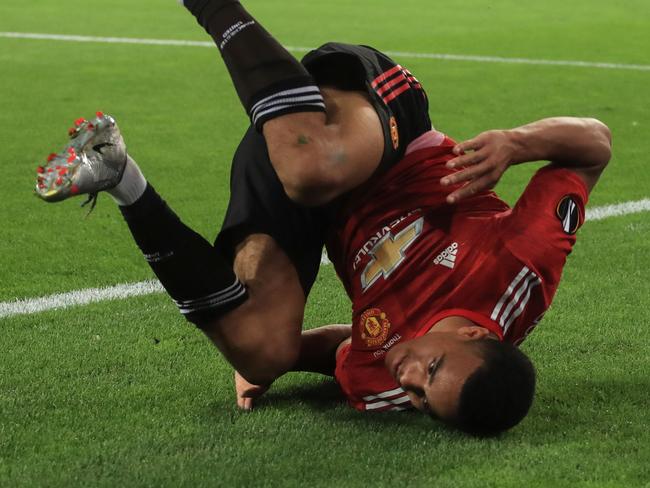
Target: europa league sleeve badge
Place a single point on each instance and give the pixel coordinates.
(569, 214)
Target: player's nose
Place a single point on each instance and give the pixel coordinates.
(412, 376)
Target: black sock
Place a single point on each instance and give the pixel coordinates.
(269, 81)
(200, 280)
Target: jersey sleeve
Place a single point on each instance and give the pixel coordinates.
(341, 356)
(342, 375)
(515, 287)
(541, 229)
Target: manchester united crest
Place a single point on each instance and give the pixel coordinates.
(374, 327)
(394, 132)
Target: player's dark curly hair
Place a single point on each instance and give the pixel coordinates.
(498, 395)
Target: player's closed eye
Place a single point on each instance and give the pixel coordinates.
(433, 368)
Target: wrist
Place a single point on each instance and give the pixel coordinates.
(519, 148)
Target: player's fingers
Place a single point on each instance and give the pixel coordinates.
(468, 159)
(467, 174)
(247, 404)
(242, 389)
(473, 187)
(241, 402)
(244, 402)
(469, 145)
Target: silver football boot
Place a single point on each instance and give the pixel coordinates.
(93, 160)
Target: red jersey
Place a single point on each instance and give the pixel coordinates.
(408, 259)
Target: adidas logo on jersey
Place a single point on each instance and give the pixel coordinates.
(448, 256)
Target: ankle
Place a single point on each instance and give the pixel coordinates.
(131, 186)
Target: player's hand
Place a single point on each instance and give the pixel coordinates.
(247, 392)
(482, 161)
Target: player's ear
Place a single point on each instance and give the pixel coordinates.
(473, 332)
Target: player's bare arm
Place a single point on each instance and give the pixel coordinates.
(582, 145)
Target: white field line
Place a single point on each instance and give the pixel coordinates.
(78, 297)
(118, 292)
(618, 209)
(401, 54)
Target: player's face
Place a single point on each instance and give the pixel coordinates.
(432, 370)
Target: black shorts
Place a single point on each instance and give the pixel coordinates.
(259, 205)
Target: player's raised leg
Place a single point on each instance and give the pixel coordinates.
(315, 157)
(269, 81)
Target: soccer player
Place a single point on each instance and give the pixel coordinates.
(444, 278)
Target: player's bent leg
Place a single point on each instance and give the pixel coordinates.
(261, 337)
(197, 277)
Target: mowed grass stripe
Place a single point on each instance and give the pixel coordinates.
(401, 54)
(127, 290)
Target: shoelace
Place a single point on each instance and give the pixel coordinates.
(92, 199)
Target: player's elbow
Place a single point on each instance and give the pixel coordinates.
(602, 142)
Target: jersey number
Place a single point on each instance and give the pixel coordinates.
(389, 253)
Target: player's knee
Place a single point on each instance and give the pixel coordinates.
(310, 185)
(275, 361)
(303, 153)
(260, 354)
(260, 347)
(270, 363)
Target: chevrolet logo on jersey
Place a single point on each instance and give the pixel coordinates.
(389, 253)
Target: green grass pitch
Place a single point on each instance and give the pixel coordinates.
(124, 393)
